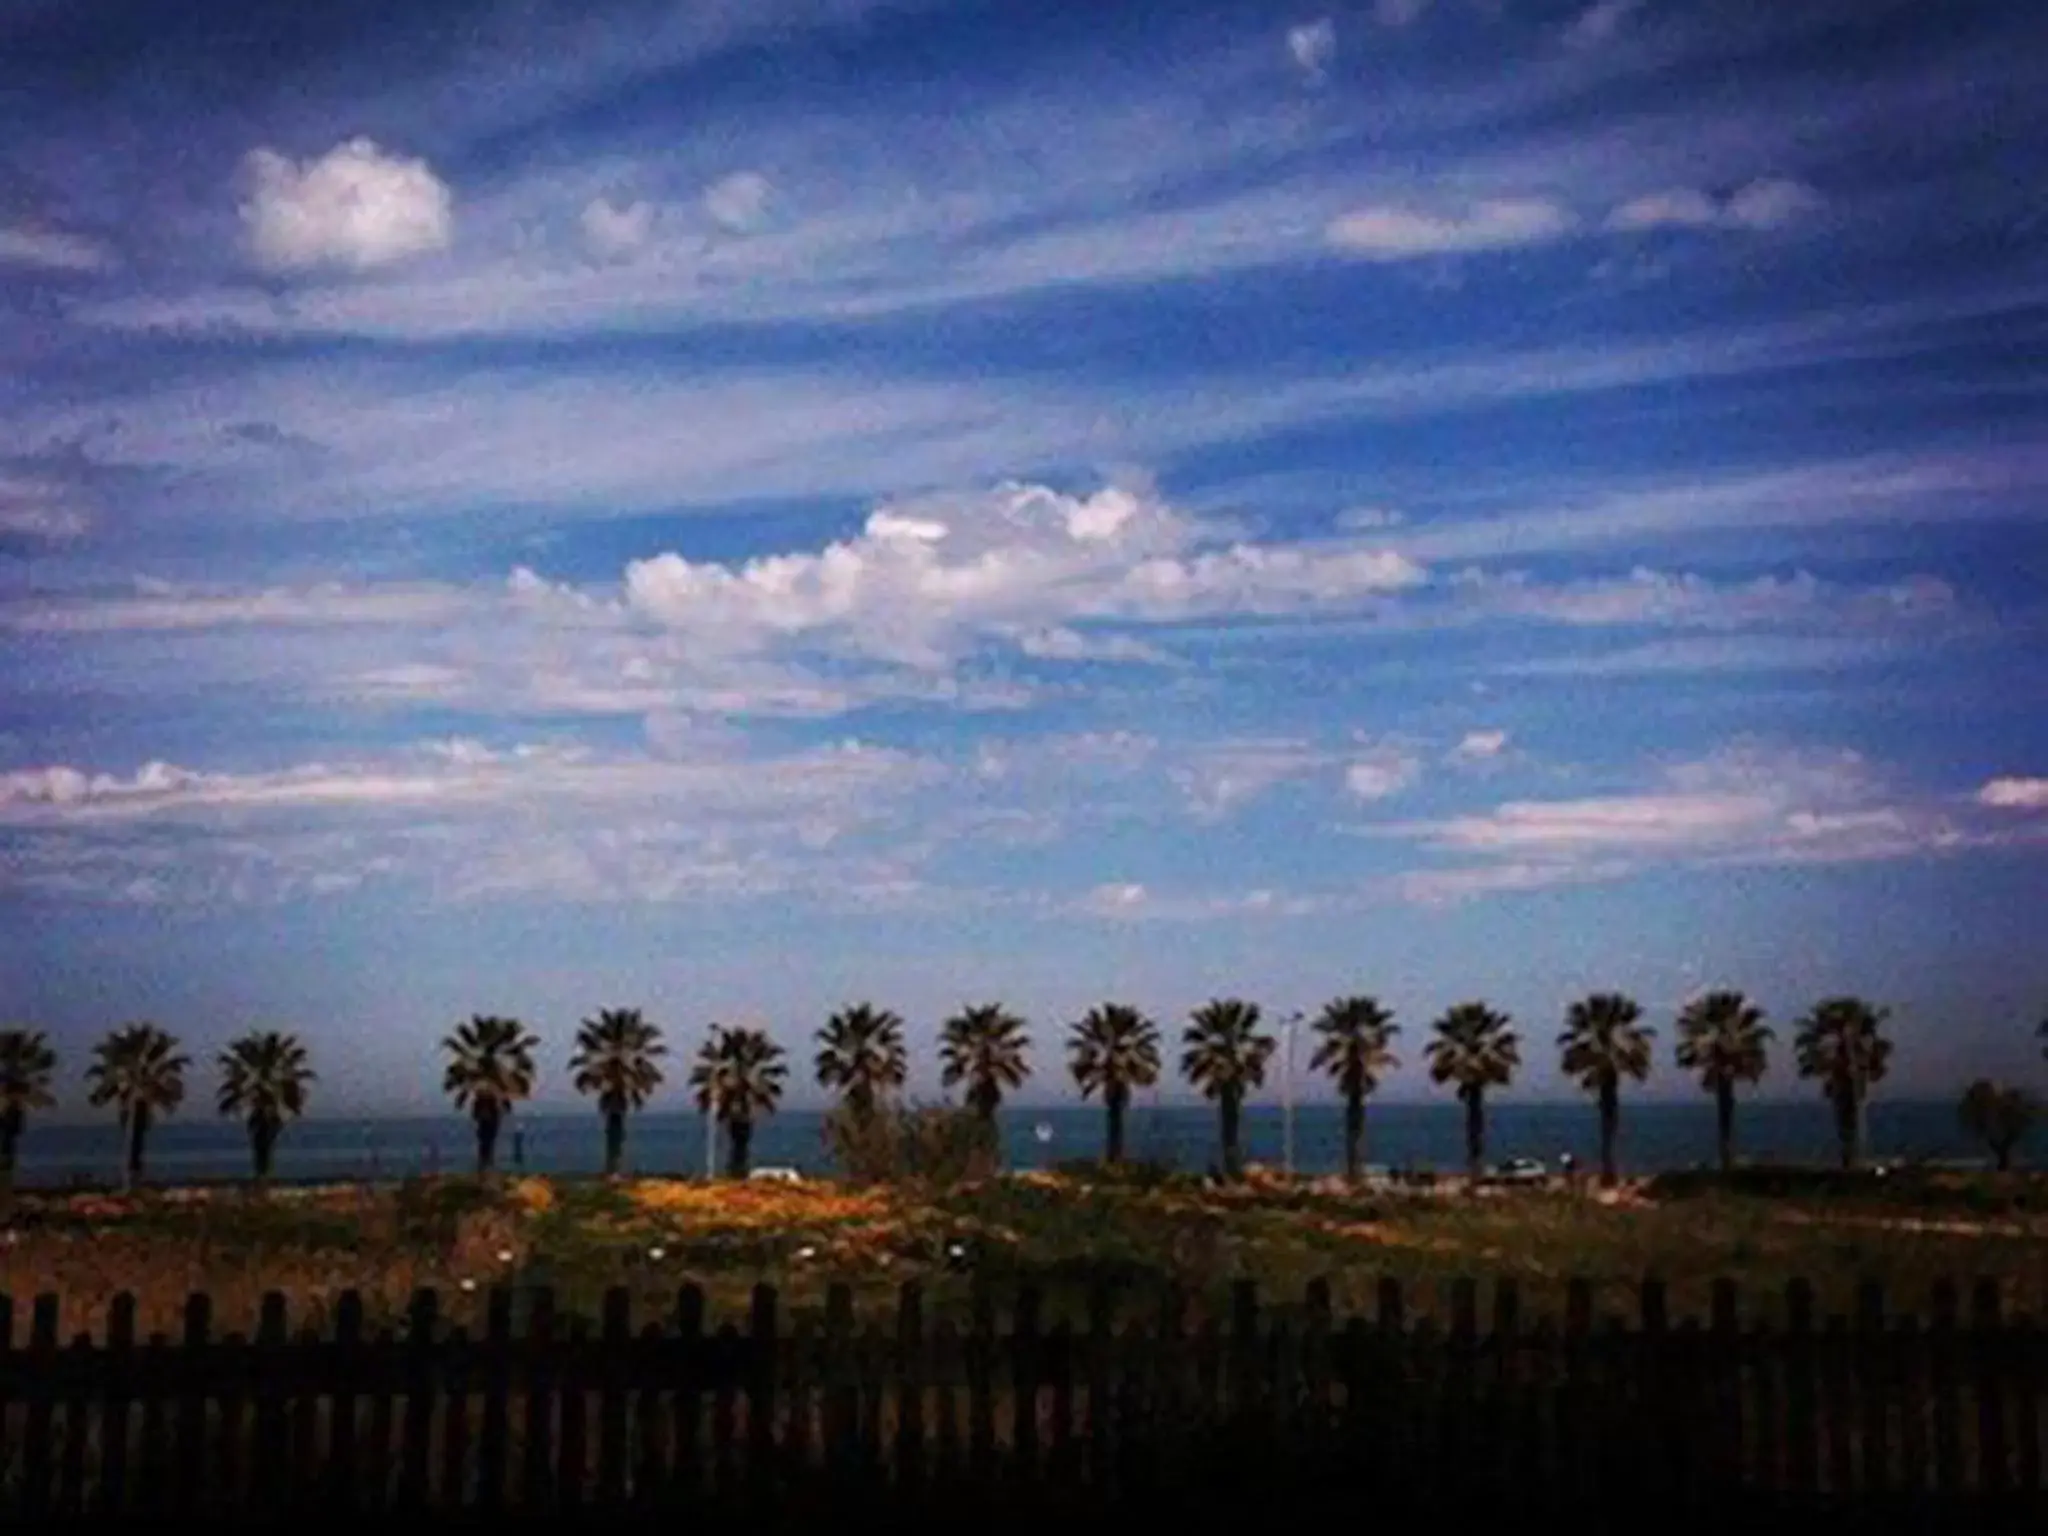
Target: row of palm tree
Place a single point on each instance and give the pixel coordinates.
(740, 1072)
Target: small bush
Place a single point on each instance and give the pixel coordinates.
(933, 1145)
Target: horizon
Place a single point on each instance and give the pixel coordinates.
(745, 506)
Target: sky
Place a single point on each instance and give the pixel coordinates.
(739, 507)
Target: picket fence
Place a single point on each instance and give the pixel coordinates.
(557, 1415)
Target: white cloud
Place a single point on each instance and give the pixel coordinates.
(1398, 13)
(42, 510)
(354, 208)
(53, 250)
(1479, 746)
(2015, 794)
(1220, 778)
(1683, 598)
(1365, 519)
(1395, 233)
(165, 606)
(612, 233)
(1382, 773)
(1312, 46)
(739, 203)
(1761, 205)
(1600, 22)
(1137, 903)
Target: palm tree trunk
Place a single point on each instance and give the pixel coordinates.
(1845, 1124)
(739, 1140)
(1115, 1101)
(1228, 1105)
(138, 1136)
(487, 1121)
(1354, 1133)
(614, 1141)
(1610, 1118)
(10, 1138)
(2001, 1156)
(262, 1143)
(1475, 1131)
(1724, 1123)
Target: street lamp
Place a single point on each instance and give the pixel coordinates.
(1287, 1090)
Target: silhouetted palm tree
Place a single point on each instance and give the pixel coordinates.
(27, 1064)
(1999, 1117)
(1355, 1045)
(615, 1061)
(490, 1069)
(1604, 1042)
(139, 1069)
(1476, 1049)
(985, 1048)
(263, 1078)
(738, 1076)
(1110, 1051)
(1225, 1056)
(861, 1055)
(1722, 1036)
(1840, 1043)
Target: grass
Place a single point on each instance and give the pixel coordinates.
(1140, 1232)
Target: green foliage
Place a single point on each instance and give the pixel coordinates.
(930, 1145)
(616, 1060)
(1998, 1117)
(861, 1056)
(1722, 1037)
(984, 1048)
(1475, 1049)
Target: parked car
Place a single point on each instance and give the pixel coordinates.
(776, 1176)
(1521, 1170)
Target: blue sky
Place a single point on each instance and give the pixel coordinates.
(742, 506)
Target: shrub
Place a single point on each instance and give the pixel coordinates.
(926, 1144)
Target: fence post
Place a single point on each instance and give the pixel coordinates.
(2025, 1364)
(78, 1408)
(727, 1364)
(842, 1402)
(413, 1468)
(191, 1360)
(1390, 1429)
(1911, 1382)
(572, 1457)
(1802, 1466)
(981, 1415)
(1840, 1408)
(7, 1355)
(537, 1458)
(1875, 1372)
(613, 1345)
(1943, 1347)
(910, 1384)
(384, 1360)
(495, 1430)
(113, 1491)
(458, 1374)
(348, 1364)
(1729, 1357)
(1101, 1421)
(687, 1479)
(266, 1383)
(650, 1464)
(39, 1392)
(1994, 1472)
(1024, 1380)
(764, 1348)
(1316, 1371)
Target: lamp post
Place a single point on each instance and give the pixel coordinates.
(1287, 1090)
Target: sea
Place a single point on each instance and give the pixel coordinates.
(1654, 1137)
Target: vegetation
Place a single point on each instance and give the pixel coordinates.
(930, 1146)
(738, 1078)
(985, 1049)
(617, 1062)
(1840, 1043)
(1999, 1117)
(861, 1057)
(138, 1069)
(1355, 1046)
(1722, 1036)
(1225, 1056)
(1475, 1049)
(1111, 1050)
(1603, 1043)
(27, 1064)
(263, 1079)
(490, 1069)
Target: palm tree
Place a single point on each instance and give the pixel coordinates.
(615, 1060)
(139, 1069)
(1476, 1049)
(738, 1076)
(1999, 1117)
(1110, 1051)
(1840, 1043)
(1356, 1047)
(860, 1053)
(263, 1078)
(984, 1048)
(1723, 1037)
(1604, 1042)
(490, 1069)
(26, 1066)
(1226, 1056)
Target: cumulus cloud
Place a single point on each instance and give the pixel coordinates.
(1761, 205)
(51, 250)
(739, 203)
(612, 233)
(2013, 794)
(1391, 232)
(354, 208)
(1599, 22)
(1381, 773)
(1312, 46)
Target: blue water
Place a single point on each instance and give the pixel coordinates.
(1653, 1137)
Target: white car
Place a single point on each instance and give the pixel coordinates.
(776, 1176)
(1521, 1170)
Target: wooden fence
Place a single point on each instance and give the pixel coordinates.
(558, 1415)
